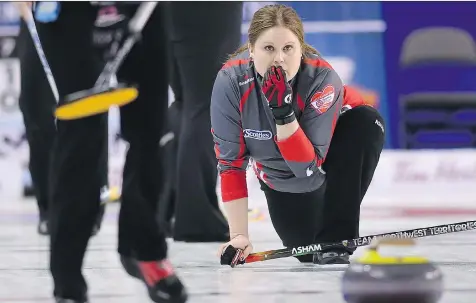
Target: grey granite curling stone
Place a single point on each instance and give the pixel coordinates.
(381, 279)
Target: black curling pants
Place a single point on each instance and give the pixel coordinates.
(37, 102)
(332, 212)
(202, 35)
(79, 143)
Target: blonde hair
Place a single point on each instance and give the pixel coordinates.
(275, 15)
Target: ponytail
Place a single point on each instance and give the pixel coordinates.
(308, 49)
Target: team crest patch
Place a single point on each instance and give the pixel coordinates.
(322, 100)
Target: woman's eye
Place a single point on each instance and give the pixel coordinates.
(269, 48)
(288, 47)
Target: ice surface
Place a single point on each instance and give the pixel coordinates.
(24, 275)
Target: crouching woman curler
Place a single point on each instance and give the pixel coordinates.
(313, 143)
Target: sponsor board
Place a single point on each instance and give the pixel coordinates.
(426, 176)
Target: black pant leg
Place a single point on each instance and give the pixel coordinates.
(75, 183)
(296, 218)
(174, 74)
(202, 35)
(350, 164)
(103, 170)
(142, 124)
(36, 104)
(169, 145)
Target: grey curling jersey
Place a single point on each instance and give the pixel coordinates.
(244, 130)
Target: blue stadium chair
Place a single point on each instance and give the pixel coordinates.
(438, 84)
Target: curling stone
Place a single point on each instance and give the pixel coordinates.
(382, 279)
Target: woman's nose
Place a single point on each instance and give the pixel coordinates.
(279, 58)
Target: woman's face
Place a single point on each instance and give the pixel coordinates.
(277, 46)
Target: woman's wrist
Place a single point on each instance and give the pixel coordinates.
(237, 216)
(283, 132)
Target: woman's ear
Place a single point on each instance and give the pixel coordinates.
(250, 49)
